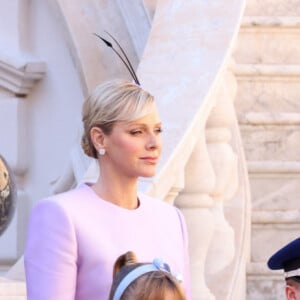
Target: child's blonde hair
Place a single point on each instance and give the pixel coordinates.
(151, 283)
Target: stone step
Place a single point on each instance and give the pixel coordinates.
(269, 119)
(270, 136)
(267, 88)
(12, 290)
(263, 283)
(272, 8)
(267, 72)
(271, 230)
(13, 297)
(268, 40)
(274, 185)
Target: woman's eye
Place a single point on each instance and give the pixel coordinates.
(136, 132)
(158, 130)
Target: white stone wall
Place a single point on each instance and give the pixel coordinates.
(39, 129)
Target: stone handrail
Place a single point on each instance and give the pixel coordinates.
(184, 65)
(189, 45)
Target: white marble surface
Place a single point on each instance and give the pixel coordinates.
(268, 106)
(273, 7)
(94, 61)
(272, 193)
(271, 142)
(195, 54)
(268, 45)
(267, 235)
(12, 290)
(265, 287)
(257, 95)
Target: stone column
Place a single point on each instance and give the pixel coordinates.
(224, 162)
(195, 203)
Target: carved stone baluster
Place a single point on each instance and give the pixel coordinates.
(224, 162)
(176, 189)
(195, 203)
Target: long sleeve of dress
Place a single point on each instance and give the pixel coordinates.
(187, 276)
(51, 254)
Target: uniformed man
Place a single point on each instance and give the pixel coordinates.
(288, 259)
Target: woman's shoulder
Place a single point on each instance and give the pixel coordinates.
(157, 204)
(63, 200)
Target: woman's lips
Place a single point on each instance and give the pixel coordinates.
(150, 159)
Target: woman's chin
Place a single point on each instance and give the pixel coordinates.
(148, 174)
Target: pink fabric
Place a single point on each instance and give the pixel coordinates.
(75, 237)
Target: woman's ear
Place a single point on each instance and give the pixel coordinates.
(97, 137)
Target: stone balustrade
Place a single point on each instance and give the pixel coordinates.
(195, 97)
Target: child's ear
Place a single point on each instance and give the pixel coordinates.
(291, 293)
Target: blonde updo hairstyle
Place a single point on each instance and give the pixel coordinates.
(110, 102)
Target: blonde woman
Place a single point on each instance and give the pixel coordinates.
(74, 237)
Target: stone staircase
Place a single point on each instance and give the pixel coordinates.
(12, 290)
(268, 106)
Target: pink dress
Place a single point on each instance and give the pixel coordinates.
(75, 237)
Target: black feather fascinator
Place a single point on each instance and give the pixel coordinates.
(121, 54)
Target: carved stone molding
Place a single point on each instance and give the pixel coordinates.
(267, 72)
(19, 74)
(274, 168)
(276, 217)
(270, 118)
(271, 22)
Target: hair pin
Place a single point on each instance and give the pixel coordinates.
(161, 265)
(125, 60)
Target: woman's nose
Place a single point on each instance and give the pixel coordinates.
(154, 142)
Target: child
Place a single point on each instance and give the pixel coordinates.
(143, 281)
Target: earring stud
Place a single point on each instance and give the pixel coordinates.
(101, 151)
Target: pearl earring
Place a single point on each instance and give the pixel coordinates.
(101, 151)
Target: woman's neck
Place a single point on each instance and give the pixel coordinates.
(119, 191)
